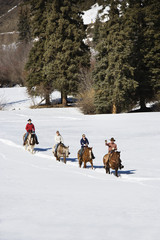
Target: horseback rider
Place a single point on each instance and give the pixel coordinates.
(30, 128)
(84, 143)
(112, 147)
(58, 140)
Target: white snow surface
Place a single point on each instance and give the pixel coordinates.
(8, 33)
(42, 199)
(12, 8)
(90, 15)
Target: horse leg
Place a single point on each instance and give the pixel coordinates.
(80, 163)
(64, 159)
(84, 164)
(91, 164)
(116, 172)
(57, 158)
(33, 151)
(107, 169)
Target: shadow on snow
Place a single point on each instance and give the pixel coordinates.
(128, 172)
(42, 149)
(71, 159)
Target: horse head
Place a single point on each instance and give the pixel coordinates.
(90, 152)
(32, 139)
(67, 151)
(118, 154)
(63, 149)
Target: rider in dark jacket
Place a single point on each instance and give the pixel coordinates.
(84, 143)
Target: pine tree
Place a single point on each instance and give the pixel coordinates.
(97, 26)
(114, 82)
(134, 27)
(141, 24)
(24, 24)
(65, 51)
(37, 81)
(152, 37)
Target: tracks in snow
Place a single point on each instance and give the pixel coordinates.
(87, 172)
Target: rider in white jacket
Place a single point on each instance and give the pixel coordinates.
(58, 140)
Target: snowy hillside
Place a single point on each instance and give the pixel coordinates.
(45, 200)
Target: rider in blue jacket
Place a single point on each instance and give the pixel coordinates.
(84, 143)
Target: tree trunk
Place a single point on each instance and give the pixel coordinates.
(64, 99)
(48, 102)
(114, 108)
(142, 104)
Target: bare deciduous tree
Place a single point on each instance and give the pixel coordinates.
(12, 62)
(86, 91)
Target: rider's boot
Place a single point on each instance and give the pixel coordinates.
(120, 164)
(36, 139)
(93, 157)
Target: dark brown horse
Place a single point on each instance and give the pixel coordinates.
(112, 161)
(87, 156)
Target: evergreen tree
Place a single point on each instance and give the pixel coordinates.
(134, 27)
(65, 51)
(152, 37)
(113, 75)
(24, 24)
(37, 81)
(141, 24)
(97, 26)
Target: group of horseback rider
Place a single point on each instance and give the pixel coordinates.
(112, 146)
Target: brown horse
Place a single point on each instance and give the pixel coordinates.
(87, 156)
(112, 161)
(62, 151)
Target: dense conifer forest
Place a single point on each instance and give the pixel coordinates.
(117, 69)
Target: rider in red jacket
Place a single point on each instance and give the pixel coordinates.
(30, 129)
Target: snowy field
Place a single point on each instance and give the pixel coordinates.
(42, 199)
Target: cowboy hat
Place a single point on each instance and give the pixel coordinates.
(112, 139)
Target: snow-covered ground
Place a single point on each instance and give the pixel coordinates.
(10, 10)
(43, 199)
(90, 15)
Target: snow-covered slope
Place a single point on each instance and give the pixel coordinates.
(45, 200)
